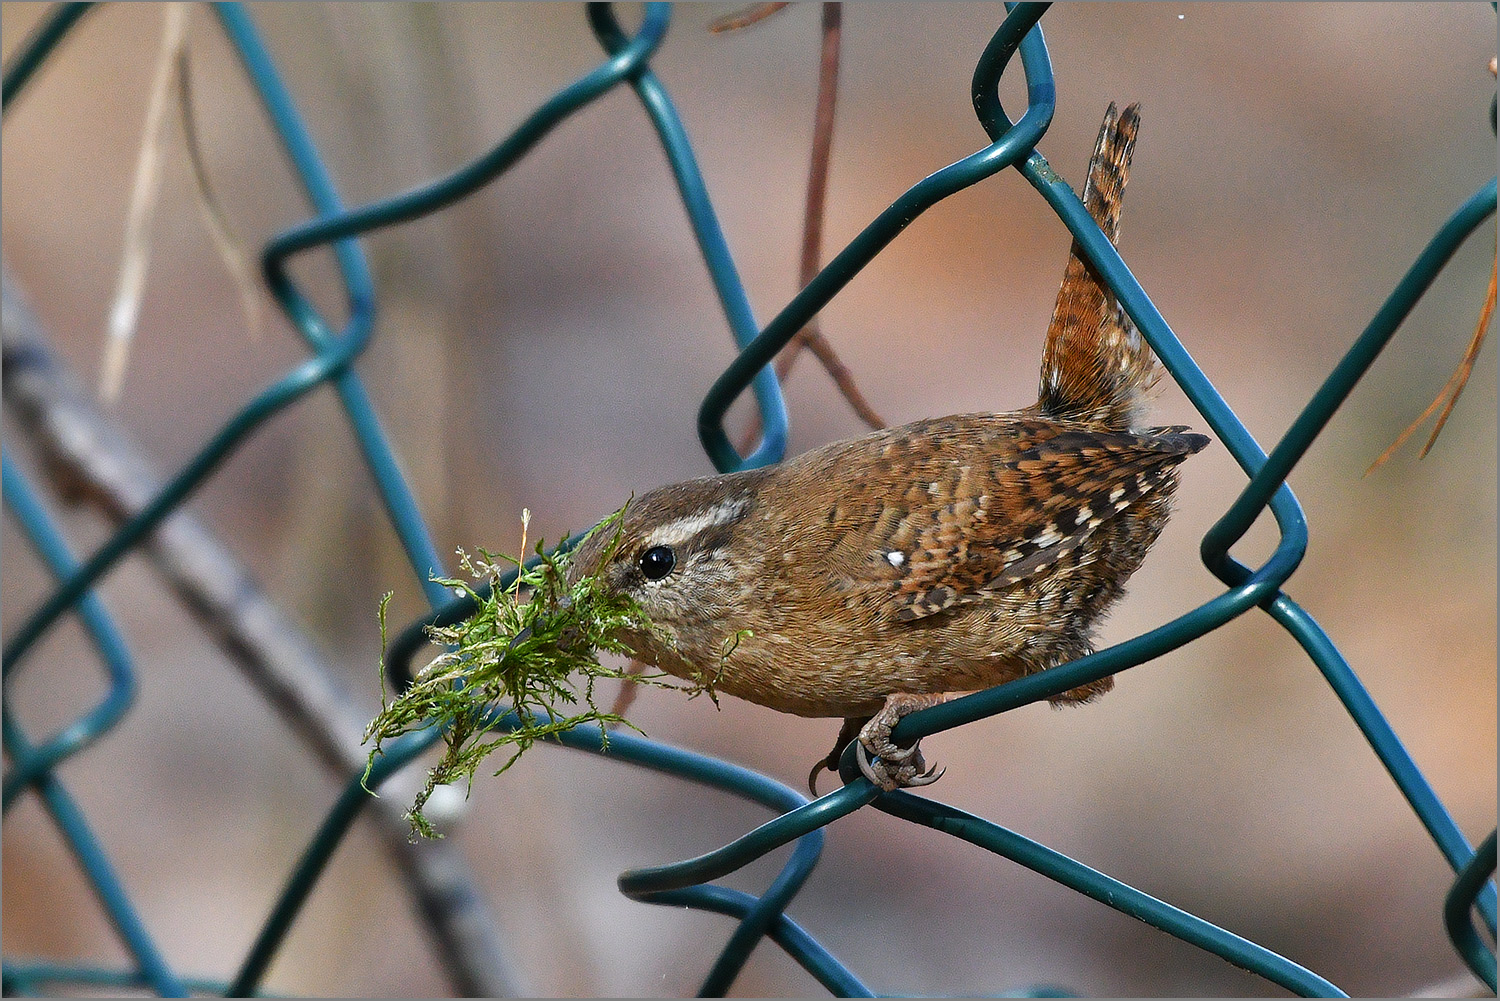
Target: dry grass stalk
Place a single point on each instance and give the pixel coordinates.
(1448, 396)
(144, 195)
(172, 76)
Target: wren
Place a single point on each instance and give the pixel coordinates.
(871, 577)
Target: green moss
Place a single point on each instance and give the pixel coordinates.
(532, 648)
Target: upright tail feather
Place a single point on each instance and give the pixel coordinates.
(1096, 367)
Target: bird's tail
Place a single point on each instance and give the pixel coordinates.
(1096, 367)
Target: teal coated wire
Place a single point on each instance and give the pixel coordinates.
(765, 913)
(390, 484)
(32, 764)
(309, 171)
(1100, 664)
(1472, 878)
(430, 197)
(1398, 762)
(1324, 653)
(1107, 890)
(295, 384)
(787, 827)
(1267, 486)
(38, 46)
(759, 918)
(120, 678)
(97, 869)
(886, 226)
(1341, 381)
(793, 939)
(26, 979)
(315, 858)
(711, 242)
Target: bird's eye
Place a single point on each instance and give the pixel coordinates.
(657, 562)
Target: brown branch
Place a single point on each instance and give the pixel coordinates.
(90, 460)
(822, 144)
(814, 210)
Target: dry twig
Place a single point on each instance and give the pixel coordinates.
(810, 336)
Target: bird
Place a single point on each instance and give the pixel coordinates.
(871, 577)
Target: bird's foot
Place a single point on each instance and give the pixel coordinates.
(895, 767)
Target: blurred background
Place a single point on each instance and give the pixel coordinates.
(546, 343)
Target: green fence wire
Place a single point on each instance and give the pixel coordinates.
(332, 347)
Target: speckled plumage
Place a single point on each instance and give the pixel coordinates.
(945, 555)
(1002, 570)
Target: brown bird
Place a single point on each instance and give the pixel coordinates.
(883, 574)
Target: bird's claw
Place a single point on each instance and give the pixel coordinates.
(896, 767)
(812, 777)
(928, 777)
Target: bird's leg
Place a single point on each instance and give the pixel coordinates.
(897, 767)
(847, 732)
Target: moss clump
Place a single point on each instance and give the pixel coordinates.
(523, 648)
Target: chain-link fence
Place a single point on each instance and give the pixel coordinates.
(71, 445)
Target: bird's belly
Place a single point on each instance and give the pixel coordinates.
(828, 674)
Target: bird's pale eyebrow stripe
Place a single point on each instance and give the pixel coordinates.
(675, 533)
